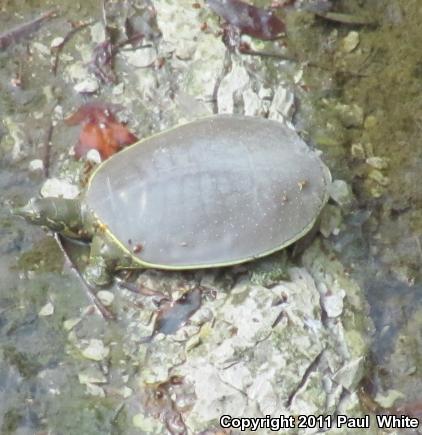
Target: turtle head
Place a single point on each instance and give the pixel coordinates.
(58, 214)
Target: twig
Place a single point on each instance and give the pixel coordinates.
(47, 149)
(66, 39)
(24, 30)
(105, 313)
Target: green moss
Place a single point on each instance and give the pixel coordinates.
(45, 256)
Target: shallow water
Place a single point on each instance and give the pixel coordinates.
(380, 240)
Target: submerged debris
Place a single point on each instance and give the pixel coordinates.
(59, 43)
(173, 314)
(345, 18)
(101, 130)
(22, 31)
(248, 19)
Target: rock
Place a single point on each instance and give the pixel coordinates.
(370, 122)
(59, 188)
(333, 304)
(95, 350)
(350, 42)
(377, 162)
(148, 425)
(282, 107)
(331, 219)
(46, 310)
(350, 115)
(69, 324)
(379, 177)
(358, 151)
(257, 333)
(93, 156)
(95, 390)
(140, 58)
(88, 86)
(98, 33)
(56, 42)
(36, 165)
(340, 192)
(92, 375)
(105, 297)
(232, 85)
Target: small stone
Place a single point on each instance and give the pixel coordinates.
(351, 115)
(69, 324)
(379, 177)
(331, 219)
(92, 376)
(59, 188)
(93, 156)
(56, 42)
(147, 424)
(370, 122)
(105, 297)
(350, 374)
(252, 103)
(96, 350)
(388, 399)
(340, 192)
(126, 392)
(41, 48)
(376, 191)
(185, 50)
(266, 93)
(46, 310)
(87, 86)
(350, 42)
(36, 165)
(282, 106)
(98, 33)
(95, 390)
(369, 149)
(118, 89)
(142, 57)
(377, 162)
(358, 151)
(333, 304)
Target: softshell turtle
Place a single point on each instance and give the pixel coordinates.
(218, 191)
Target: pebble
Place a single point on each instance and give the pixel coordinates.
(379, 177)
(357, 150)
(87, 86)
(56, 42)
(56, 187)
(95, 350)
(350, 42)
(333, 304)
(377, 162)
(350, 115)
(142, 57)
(69, 324)
(46, 310)
(95, 390)
(340, 192)
(41, 48)
(93, 156)
(370, 122)
(36, 165)
(388, 398)
(105, 297)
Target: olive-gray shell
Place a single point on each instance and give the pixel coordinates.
(217, 191)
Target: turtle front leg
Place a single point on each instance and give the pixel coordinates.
(100, 268)
(104, 260)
